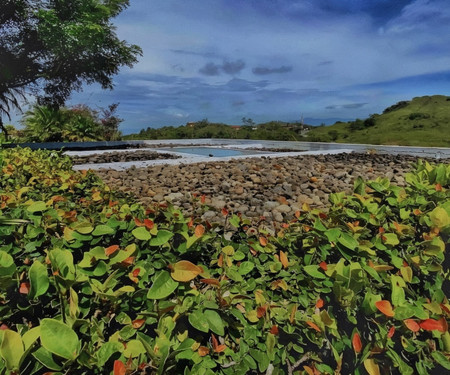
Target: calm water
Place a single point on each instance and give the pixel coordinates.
(213, 152)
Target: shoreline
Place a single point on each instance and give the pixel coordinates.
(269, 188)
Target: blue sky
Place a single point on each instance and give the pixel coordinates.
(276, 59)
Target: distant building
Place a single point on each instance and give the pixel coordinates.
(190, 124)
(236, 127)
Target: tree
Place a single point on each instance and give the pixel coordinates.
(52, 47)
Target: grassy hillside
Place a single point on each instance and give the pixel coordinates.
(423, 121)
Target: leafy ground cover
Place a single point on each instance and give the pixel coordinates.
(91, 282)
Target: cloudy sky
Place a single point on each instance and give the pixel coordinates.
(276, 59)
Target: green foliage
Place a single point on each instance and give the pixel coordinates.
(273, 130)
(79, 123)
(423, 121)
(92, 283)
(53, 47)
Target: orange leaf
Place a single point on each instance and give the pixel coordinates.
(149, 224)
(263, 241)
(261, 311)
(138, 222)
(111, 250)
(308, 370)
(297, 214)
(202, 351)
(199, 231)
(284, 259)
(214, 341)
(24, 288)
(381, 230)
(417, 212)
(313, 325)
(320, 303)
(323, 265)
(127, 262)
(391, 332)
(434, 325)
(203, 199)
(274, 330)
(220, 348)
(184, 271)
(412, 325)
(356, 342)
(138, 323)
(385, 307)
(191, 223)
(214, 282)
(438, 187)
(220, 261)
(119, 368)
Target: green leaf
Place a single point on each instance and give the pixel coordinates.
(141, 233)
(101, 230)
(163, 286)
(39, 280)
(12, 349)
(270, 345)
(441, 359)
(198, 321)
(440, 217)
(215, 322)
(7, 265)
(133, 349)
(348, 241)
(107, 350)
(59, 339)
(246, 267)
(391, 239)
(30, 337)
(37, 206)
(162, 237)
(313, 271)
(46, 358)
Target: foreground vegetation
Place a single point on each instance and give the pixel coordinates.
(91, 282)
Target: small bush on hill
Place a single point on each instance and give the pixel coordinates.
(93, 283)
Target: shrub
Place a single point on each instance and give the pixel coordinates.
(93, 283)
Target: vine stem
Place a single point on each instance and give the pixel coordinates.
(291, 368)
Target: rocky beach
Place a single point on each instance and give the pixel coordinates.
(256, 187)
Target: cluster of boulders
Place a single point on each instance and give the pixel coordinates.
(124, 156)
(274, 188)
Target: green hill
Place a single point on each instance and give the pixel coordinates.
(423, 121)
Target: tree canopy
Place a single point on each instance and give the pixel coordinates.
(52, 47)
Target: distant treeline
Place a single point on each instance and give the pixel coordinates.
(274, 130)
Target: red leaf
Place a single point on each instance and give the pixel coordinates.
(385, 307)
(127, 262)
(214, 341)
(24, 288)
(274, 330)
(203, 199)
(320, 303)
(111, 250)
(438, 187)
(138, 323)
(381, 230)
(136, 272)
(119, 368)
(434, 325)
(356, 342)
(138, 222)
(220, 348)
(313, 325)
(191, 223)
(391, 332)
(149, 224)
(323, 265)
(261, 311)
(412, 325)
(224, 212)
